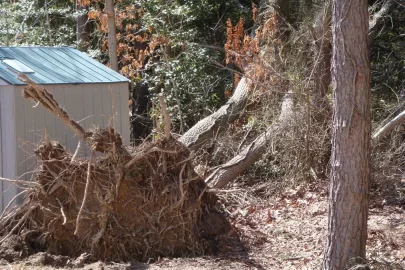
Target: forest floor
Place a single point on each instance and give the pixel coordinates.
(284, 232)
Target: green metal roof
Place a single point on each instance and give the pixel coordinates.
(56, 65)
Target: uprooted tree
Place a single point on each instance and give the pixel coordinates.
(148, 201)
(127, 204)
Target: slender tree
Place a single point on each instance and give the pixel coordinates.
(82, 27)
(112, 38)
(351, 139)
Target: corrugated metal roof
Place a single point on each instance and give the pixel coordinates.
(56, 65)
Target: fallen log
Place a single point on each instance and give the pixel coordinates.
(211, 125)
(228, 172)
(389, 127)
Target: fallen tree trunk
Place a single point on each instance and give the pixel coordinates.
(390, 126)
(227, 172)
(208, 127)
(243, 160)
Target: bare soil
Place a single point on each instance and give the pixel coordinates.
(286, 232)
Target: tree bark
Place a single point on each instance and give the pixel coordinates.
(351, 138)
(208, 127)
(112, 37)
(82, 28)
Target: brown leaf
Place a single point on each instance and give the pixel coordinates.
(269, 218)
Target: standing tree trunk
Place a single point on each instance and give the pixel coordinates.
(112, 37)
(351, 139)
(82, 27)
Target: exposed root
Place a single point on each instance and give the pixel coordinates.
(11, 202)
(21, 221)
(103, 225)
(62, 212)
(76, 152)
(86, 192)
(116, 213)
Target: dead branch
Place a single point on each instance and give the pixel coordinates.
(141, 118)
(379, 16)
(39, 94)
(104, 141)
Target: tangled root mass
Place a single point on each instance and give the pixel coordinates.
(127, 204)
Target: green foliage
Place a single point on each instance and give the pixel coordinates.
(189, 68)
(28, 22)
(186, 67)
(189, 79)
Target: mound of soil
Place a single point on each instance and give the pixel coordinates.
(124, 205)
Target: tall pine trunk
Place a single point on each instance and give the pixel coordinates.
(351, 139)
(82, 27)
(112, 37)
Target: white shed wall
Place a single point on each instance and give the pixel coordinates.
(89, 104)
(7, 145)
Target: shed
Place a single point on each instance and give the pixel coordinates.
(90, 92)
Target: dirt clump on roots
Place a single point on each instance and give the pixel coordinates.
(126, 204)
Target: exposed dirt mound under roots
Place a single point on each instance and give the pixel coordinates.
(151, 207)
